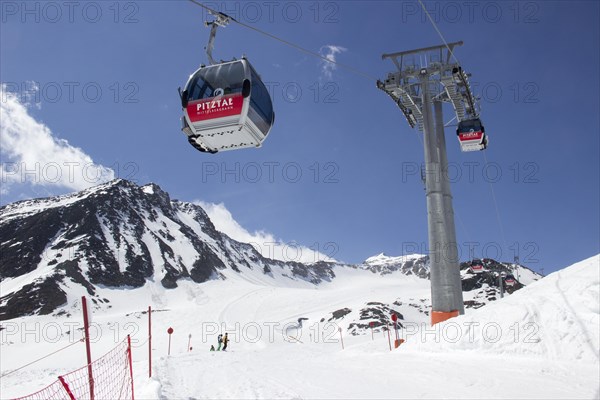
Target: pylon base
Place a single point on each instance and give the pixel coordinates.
(441, 316)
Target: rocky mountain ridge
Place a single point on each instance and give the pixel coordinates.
(121, 235)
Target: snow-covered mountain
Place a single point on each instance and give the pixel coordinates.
(413, 264)
(118, 235)
(123, 236)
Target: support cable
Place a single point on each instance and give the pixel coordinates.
(496, 206)
(438, 31)
(288, 43)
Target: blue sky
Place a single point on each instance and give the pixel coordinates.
(335, 173)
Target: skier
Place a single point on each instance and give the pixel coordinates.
(220, 342)
(225, 340)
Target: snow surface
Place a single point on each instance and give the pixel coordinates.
(548, 346)
(556, 318)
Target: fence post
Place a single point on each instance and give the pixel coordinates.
(170, 332)
(130, 365)
(397, 340)
(389, 340)
(87, 345)
(149, 342)
(66, 387)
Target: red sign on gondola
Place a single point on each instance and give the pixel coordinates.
(215, 107)
(470, 135)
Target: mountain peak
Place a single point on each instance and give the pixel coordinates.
(150, 188)
(119, 235)
(376, 258)
(383, 258)
(411, 264)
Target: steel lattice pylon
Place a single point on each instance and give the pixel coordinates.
(424, 78)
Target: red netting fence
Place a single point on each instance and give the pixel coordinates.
(112, 378)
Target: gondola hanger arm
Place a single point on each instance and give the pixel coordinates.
(221, 20)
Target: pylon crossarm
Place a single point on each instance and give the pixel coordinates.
(397, 58)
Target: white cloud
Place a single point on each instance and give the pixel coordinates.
(329, 52)
(265, 243)
(31, 154)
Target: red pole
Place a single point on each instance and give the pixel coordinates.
(389, 340)
(149, 342)
(169, 331)
(87, 345)
(395, 319)
(130, 364)
(67, 389)
(341, 338)
(189, 341)
(372, 337)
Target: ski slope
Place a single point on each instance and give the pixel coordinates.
(547, 348)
